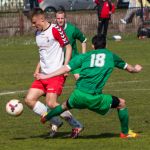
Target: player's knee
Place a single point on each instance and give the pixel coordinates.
(27, 101)
(30, 101)
(118, 103)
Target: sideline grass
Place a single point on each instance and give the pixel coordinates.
(17, 62)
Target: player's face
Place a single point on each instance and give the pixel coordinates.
(60, 18)
(38, 22)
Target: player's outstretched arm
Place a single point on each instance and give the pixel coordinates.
(62, 70)
(134, 69)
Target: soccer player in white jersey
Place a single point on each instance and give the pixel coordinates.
(51, 40)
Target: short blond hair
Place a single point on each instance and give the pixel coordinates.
(36, 12)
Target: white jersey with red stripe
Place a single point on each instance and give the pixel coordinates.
(51, 42)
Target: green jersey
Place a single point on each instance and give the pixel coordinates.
(96, 67)
(73, 34)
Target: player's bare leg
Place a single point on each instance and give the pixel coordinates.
(32, 97)
(38, 107)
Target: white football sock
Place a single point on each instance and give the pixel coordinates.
(71, 120)
(40, 108)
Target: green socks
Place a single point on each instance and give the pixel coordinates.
(54, 112)
(124, 120)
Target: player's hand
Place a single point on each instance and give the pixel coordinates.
(41, 76)
(137, 68)
(35, 74)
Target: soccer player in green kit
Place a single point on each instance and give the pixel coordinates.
(96, 67)
(73, 34)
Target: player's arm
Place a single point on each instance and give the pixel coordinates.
(37, 70)
(75, 63)
(81, 37)
(83, 47)
(133, 69)
(62, 70)
(68, 54)
(121, 64)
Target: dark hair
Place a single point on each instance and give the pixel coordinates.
(36, 12)
(99, 41)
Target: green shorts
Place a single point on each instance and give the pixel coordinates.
(77, 71)
(98, 103)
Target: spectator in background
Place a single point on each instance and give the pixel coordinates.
(146, 8)
(136, 7)
(143, 30)
(105, 8)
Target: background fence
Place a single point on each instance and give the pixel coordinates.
(16, 23)
(11, 5)
(11, 23)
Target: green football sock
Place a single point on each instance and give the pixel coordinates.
(54, 112)
(124, 120)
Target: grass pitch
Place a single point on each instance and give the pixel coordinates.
(17, 63)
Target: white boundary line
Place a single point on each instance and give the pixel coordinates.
(132, 81)
(120, 90)
(12, 92)
(66, 87)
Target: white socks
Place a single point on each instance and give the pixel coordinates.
(40, 108)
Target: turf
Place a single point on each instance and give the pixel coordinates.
(17, 63)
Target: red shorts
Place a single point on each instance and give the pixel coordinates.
(50, 85)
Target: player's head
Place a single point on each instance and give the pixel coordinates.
(38, 19)
(61, 18)
(99, 41)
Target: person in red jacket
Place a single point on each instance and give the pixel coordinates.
(105, 9)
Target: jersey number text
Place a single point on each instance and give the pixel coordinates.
(97, 60)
